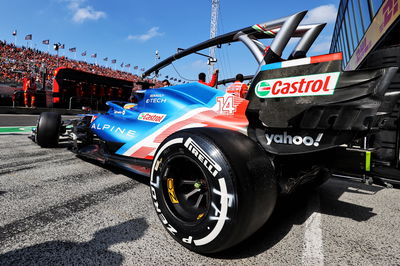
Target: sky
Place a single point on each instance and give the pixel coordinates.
(130, 31)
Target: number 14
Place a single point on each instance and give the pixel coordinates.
(226, 105)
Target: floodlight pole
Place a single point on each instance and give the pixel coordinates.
(213, 32)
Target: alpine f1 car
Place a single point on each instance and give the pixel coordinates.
(216, 162)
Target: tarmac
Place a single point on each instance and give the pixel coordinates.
(60, 210)
(36, 111)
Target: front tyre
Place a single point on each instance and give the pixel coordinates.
(48, 129)
(212, 188)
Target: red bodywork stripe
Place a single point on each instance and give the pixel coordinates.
(142, 152)
(325, 58)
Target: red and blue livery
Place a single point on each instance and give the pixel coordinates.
(216, 163)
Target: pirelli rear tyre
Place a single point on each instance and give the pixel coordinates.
(212, 188)
(48, 129)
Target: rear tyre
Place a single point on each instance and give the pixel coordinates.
(48, 129)
(212, 188)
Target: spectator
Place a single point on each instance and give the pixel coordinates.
(29, 92)
(17, 61)
(214, 79)
(238, 88)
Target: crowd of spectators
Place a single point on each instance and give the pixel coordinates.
(16, 62)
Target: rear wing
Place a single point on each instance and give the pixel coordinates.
(281, 30)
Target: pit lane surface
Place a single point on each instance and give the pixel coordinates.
(58, 209)
(11, 120)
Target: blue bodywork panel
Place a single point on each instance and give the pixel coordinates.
(155, 108)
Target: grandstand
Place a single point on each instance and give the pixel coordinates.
(17, 62)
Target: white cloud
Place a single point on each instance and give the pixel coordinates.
(87, 13)
(151, 33)
(74, 4)
(321, 14)
(81, 14)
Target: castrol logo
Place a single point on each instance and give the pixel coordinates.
(151, 117)
(310, 85)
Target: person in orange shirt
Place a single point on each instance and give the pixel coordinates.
(29, 87)
(214, 79)
(238, 88)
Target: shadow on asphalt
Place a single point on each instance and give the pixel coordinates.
(332, 205)
(294, 210)
(93, 252)
(64, 145)
(290, 210)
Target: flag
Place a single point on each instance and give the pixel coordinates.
(166, 77)
(28, 37)
(128, 65)
(105, 58)
(142, 69)
(136, 67)
(84, 53)
(94, 55)
(14, 33)
(114, 61)
(122, 64)
(62, 46)
(72, 49)
(46, 42)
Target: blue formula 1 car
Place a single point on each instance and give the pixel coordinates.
(216, 162)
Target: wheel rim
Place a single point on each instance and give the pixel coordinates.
(186, 189)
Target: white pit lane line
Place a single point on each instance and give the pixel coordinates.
(313, 245)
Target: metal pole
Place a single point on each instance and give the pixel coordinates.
(213, 32)
(70, 102)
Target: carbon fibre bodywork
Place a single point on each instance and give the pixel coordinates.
(347, 111)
